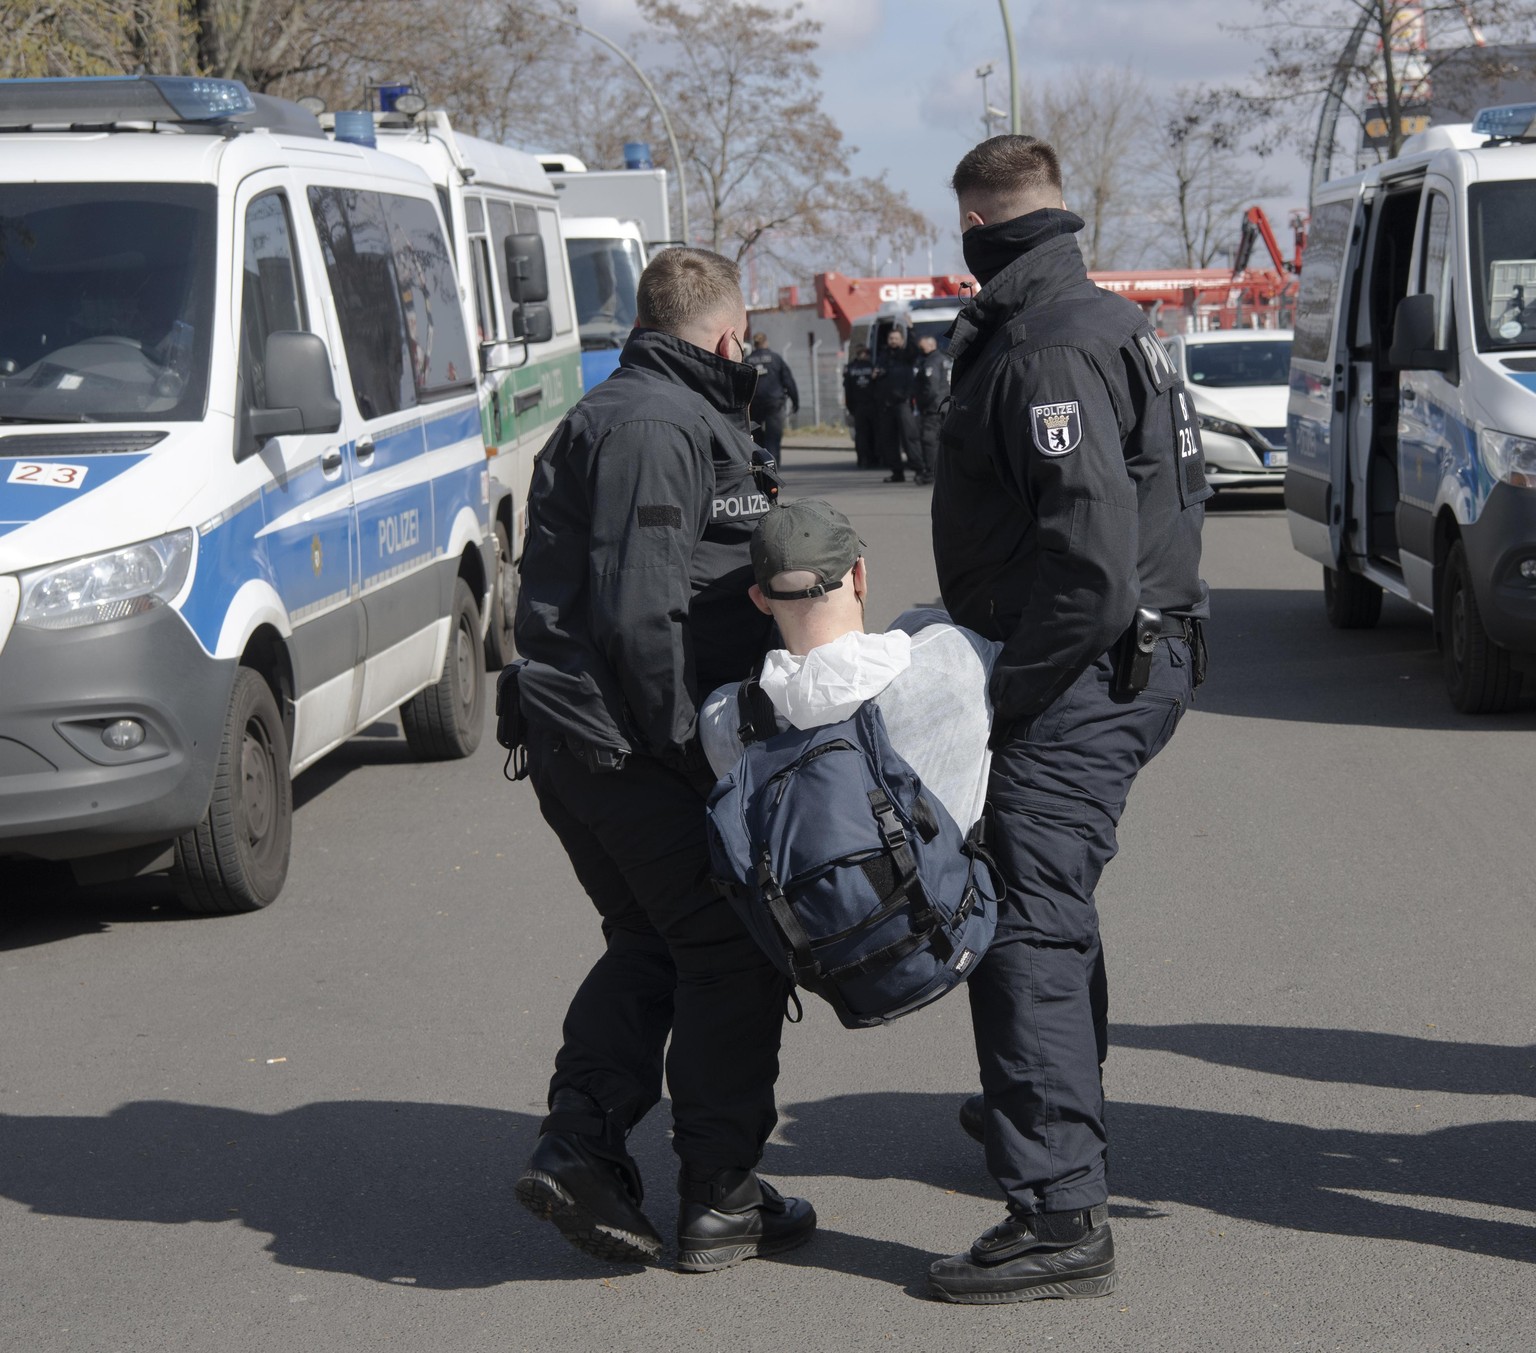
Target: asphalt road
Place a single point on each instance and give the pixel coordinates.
(299, 1129)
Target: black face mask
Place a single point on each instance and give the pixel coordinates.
(991, 248)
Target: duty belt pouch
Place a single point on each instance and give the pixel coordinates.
(511, 723)
(1198, 652)
(1133, 654)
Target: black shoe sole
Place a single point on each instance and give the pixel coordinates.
(1090, 1285)
(724, 1256)
(545, 1197)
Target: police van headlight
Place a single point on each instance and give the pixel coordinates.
(1509, 459)
(1225, 428)
(103, 587)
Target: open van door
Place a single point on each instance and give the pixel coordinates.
(1317, 435)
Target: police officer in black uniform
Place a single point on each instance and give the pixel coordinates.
(858, 398)
(1066, 524)
(930, 388)
(894, 380)
(775, 384)
(633, 606)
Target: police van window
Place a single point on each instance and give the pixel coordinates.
(1327, 246)
(474, 216)
(429, 297)
(355, 240)
(271, 298)
(1437, 278)
(548, 225)
(482, 274)
(503, 224)
(446, 203)
(106, 301)
(1502, 231)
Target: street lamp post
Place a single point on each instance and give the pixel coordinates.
(666, 122)
(1013, 71)
(982, 72)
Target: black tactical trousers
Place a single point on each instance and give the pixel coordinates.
(930, 425)
(677, 960)
(899, 438)
(1039, 999)
(866, 435)
(769, 430)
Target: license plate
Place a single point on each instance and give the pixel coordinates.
(1274, 460)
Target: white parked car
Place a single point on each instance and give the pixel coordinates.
(1240, 382)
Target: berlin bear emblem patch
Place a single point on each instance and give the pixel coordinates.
(1058, 428)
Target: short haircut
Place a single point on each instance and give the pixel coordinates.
(759, 339)
(681, 287)
(1021, 169)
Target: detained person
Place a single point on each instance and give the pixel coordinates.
(928, 677)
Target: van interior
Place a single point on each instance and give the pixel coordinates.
(1387, 277)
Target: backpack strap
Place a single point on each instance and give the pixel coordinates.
(759, 719)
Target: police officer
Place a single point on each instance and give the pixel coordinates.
(930, 389)
(633, 605)
(1066, 524)
(775, 384)
(894, 379)
(858, 397)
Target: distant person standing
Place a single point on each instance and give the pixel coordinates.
(859, 399)
(898, 437)
(775, 384)
(930, 392)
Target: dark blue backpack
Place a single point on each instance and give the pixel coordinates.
(852, 879)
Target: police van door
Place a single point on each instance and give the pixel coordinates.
(1371, 489)
(1435, 437)
(413, 387)
(1316, 426)
(309, 530)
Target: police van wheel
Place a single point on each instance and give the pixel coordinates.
(1352, 602)
(1479, 675)
(236, 858)
(499, 647)
(443, 722)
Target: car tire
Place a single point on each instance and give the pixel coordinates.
(444, 722)
(236, 858)
(1352, 602)
(500, 648)
(1480, 677)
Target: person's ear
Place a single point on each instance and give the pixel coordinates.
(972, 219)
(759, 600)
(725, 347)
(860, 578)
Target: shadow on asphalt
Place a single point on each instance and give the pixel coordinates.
(420, 1194)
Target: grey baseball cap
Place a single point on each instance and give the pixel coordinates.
(808, 535)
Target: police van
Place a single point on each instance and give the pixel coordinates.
(243, 492)
(1412, 412)
(926, 317)
(504, 223)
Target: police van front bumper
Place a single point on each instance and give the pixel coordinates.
(65, 793)
(1498, 544)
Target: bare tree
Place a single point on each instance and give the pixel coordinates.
(1379, 57)
(1201, 177)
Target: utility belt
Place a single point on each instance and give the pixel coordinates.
(1133, 651)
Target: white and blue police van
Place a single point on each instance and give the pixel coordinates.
(243, 491)
(1412, 409)
(506, 232)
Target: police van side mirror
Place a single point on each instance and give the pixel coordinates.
(536, 325)
(1413, 338)
(301, 397)
(527, 269)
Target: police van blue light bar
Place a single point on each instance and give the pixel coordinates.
(101, 100)
(1512, 122)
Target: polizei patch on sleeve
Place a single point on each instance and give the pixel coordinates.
(1058, 428)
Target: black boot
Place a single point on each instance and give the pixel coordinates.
(1047, 1254)
(973, 1117)
(581, 1178)
(733, 1215)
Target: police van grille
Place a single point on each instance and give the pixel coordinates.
(78, 443)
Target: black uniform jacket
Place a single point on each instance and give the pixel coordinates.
(1071, 479)
(930, 381)
(894, 376)
(858, 377)
(775, 381)
(633, 601)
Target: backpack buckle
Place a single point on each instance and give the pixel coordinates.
(891, 831)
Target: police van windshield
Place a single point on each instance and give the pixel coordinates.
(606, 274)
(1502, 221)
(1223, 366)
(106, 301)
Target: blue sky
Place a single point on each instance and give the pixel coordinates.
(899, 76)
